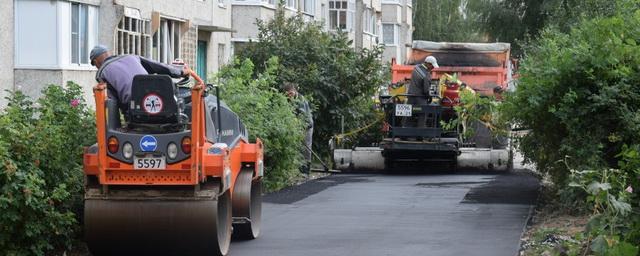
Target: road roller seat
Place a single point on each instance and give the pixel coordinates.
(153, 100)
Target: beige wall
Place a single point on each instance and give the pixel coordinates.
(391, 13)
(244, 19)
(32, 81)
(86, 79)
(6, 49)
(217, 39)
(186, 9)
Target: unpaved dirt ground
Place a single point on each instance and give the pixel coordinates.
(551, 226)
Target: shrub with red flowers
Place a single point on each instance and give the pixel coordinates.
(41, 145)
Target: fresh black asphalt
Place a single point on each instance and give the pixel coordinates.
(465, 213)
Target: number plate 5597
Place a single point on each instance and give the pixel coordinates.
(149, 163)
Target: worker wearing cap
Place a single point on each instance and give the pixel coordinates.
(419, 87)
(118, 72)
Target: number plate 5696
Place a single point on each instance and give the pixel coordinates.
(403, 109)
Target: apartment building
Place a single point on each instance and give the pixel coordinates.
(397, 29)
(361, 19)
(48, 42)
(367, 23)
(245, 14)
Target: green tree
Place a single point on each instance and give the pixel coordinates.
(335, 78)
(267, 115)
(513, 21)
(448, 21)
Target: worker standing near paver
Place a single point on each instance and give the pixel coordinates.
(303, 110)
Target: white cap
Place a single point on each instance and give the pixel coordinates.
(432, 60)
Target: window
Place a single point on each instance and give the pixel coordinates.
(292, 4)
(389, 34)
(309, 6)
(221, 56)
(366, 16)
(373, 23)
(30, 33)
(132, 37)
(369, 21)
(166, 41)
(79, 34)
(60, 37)
(338, 12)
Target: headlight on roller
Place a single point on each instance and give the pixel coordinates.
(172, 150)
(127, 150)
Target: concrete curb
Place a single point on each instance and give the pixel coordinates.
(524, 228)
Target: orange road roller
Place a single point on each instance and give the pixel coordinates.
(180, 178)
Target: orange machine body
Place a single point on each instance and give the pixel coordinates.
(202, 163)
(482, 67)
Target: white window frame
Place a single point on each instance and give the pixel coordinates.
(348, 11)
(309, 7)
(374, 23)
(91, 37)
(271, 4)
(222, 55)
(79, 34)
(131, 35)
(168, 34)
(53, 42)
(395, 34)
(291, 4)
(370, 22)
(366, 17)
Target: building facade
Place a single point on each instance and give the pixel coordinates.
(360, 19)
(48, 42)
(397, 29)
(367, 23)
(245, 14)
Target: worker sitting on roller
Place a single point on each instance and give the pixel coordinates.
(118, 72)
(418, 89)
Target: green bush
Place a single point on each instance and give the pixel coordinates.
(41, 148)
(268, 115)
(578, 93)
(338, 80)
(613, 227)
